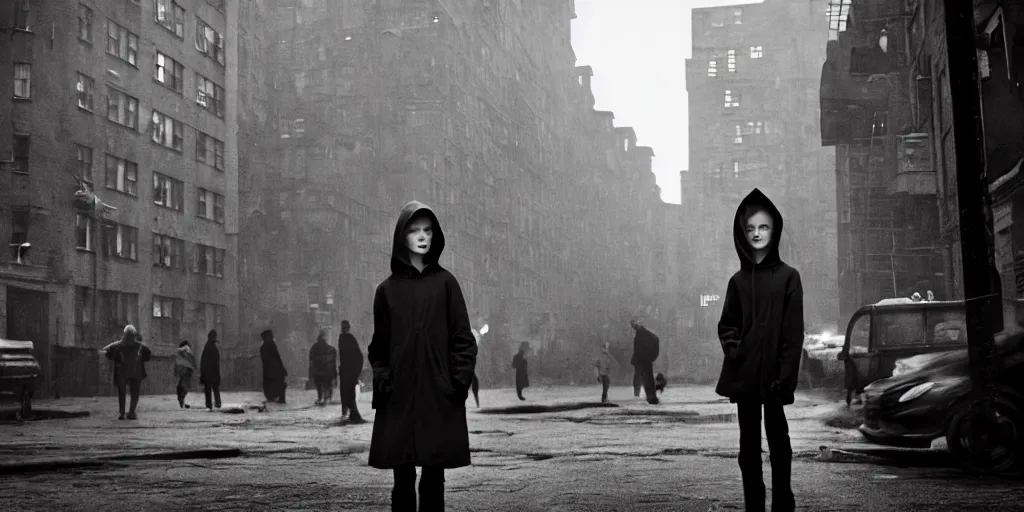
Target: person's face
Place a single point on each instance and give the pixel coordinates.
(759, 230)
(418, 236)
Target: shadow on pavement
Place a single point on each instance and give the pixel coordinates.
(12, 416)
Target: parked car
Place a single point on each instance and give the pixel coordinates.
(929, 396)
(19, 370)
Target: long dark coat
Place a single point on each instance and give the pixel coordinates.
(209, 364)
(646, 346)
(129, 357)
(522, 375)
(762, 323)
(423, 357)
(350, 359)
(322, 360)
(273, 367)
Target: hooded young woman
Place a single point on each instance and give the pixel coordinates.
(762, 332)
(423, 357)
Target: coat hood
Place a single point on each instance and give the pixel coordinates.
(400, 262)
(743, 249)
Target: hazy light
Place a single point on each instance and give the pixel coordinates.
(484, 329)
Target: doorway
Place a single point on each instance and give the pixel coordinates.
(28, 319)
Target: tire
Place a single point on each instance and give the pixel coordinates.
(984, 448)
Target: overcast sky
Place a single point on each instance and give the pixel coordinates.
(638, 50)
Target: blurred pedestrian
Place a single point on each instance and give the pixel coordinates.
(520, 364)
(646, 346)
(603, 366)
(129, 355)
(184, 368)
(762, 333)
(423, 358)
(274, 372)
(209, 371)
(322, 369)
(350, 366)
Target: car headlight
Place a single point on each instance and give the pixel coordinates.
(916, 391)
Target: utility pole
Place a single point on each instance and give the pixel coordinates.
(982, 296)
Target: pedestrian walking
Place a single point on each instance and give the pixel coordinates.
(520, 364)
(646, 346)
(762, 331)
(322, 370)
(423, 357)
(184, 368)
(129, 355)
(603, 366)
(350, 366)
(274, 372)
(209, 371)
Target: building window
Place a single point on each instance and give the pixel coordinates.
(22, 80)
(738, 138)
(19, 230)
(120, 241)
(756, 52)
(22, 145)
(755, 128)
(122, 175)
(168, 252)
(730, 61)
(210, 206)
(737, 16)
(168, 192)
(209, 150)
(21, 12)
(116, 310)
(209, 261)
(171, 16)
(732, 99)
(735, 169)
(169, 72)
(84, 23)
(83, 157)
(713, 67)
(209, 42)
(84, 87)
(209, 95)
(122, 43)
(167, 131)
(122, 108)
(83, 232)
(167, 314)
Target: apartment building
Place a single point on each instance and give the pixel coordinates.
(120, 198)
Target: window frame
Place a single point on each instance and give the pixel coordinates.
(85, 18)
(115, 46)
(175, 20)
(21, 151)
(125, 236)
(25, 82)
(84, 165)
(122, 183)
(126, 107)
(175, 79)
(203, 43)
(88, 228)
(88, 85)
(168, 192)
(158, 131)
(22, 11)
(211, 103)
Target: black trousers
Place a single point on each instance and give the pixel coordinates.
(431, 489)
(182, 392)
(605, 382)
(476, 390)
(776, 428)
(643, 376)
(348, 399)
(134, 386)
(323, 387)
(212, 392)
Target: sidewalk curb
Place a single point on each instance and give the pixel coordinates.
(57, 465)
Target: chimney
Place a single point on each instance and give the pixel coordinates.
(645, 156)
(583, 74)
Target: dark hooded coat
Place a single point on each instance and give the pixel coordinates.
(646, 346)
(350, 359)
(762, 323)
(323, 359)
(423, 356)
(273, 367)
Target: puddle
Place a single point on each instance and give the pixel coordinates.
(541, 409)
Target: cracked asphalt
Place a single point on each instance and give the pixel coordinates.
(630, 456)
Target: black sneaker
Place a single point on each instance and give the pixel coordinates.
(120, 416)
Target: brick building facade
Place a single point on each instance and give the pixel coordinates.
(752, 87)
(136, 101)
(551, 213)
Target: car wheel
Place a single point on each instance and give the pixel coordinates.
(986, 445)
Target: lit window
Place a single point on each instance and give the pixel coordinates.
(731, 61)
(713, 68)
(732, 99)
(738, 138)
(169, 72)
(756, 52)
(737, 16)
(84, 89)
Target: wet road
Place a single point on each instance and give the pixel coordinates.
(676, 456)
